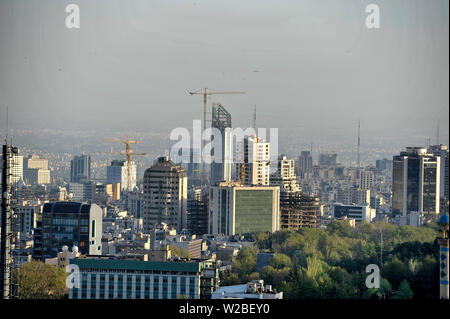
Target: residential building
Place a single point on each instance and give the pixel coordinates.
(256, 161)
(165, 195)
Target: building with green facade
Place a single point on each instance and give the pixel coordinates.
(103, 278)
(237, 209)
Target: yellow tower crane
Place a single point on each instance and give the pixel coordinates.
(128, 153)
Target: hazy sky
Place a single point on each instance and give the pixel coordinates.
(131, 64)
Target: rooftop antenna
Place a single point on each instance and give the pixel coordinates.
(359, 142)
(254, 118)
(437, 133)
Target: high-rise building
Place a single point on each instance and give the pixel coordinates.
(415, 182)
(165, 195)
(384, 165)
(256, 161)
(197, 211)
(193, 168)
(221, 164)
(117, 172)
(305, 163)
(328, 159)
(285, 175)
(71, 224)
(237, 209)
(366, 179)
(442, 152)
(80, 169)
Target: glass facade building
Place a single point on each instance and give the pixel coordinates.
(71, 224)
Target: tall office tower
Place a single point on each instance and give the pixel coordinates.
(237, 209)
(35, 170)
(366, 179)
(415, 182)
(256, 161)
(80, 169)
(71, 224)
(197, 211)
(328, 159)
(135, 203)
(165, 195)
(442, 152)
(221, 164)
(117, 172)
(285, 176)
(193, 168)
(305, 163)
(384, 165)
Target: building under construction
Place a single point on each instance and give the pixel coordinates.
(297, 210)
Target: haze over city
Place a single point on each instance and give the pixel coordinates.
(312, 70)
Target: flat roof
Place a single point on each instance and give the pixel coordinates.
(136, 265)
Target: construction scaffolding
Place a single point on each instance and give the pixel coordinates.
(297, 211)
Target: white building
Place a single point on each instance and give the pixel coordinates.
(285, 175)
(357, 212)
(256, 161)
(252, 290)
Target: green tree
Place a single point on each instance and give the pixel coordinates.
(37, 280)
(404, 291)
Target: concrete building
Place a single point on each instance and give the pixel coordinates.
(285, 176)
(353, 195)
(330, 160)
(237, 209)
(305, 163)
(416, 182)
(102, 278)
(297, 211)
(357, 212)
(64, 257)
(366, 179)
(256, 161)
(165, 195)
(71, 224)
(222, 159)
(80, 169)
(252, 290)
(35, 170)
(117, 172)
